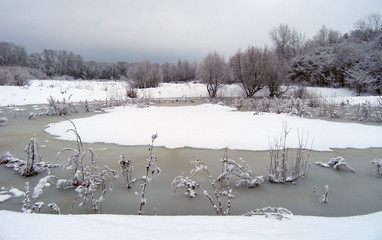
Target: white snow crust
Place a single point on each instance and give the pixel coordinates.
(41, 226)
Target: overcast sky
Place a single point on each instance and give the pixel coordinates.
(165, 30)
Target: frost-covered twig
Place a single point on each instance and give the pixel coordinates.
(42, 183)
(324, 198)
(152, 168)
(186, 182)
(26, 208)
(127, 170)
(273, 212)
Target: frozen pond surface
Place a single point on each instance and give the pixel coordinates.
(350, 193)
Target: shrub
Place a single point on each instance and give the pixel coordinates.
(279, 169)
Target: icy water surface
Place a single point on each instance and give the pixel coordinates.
(350, 193)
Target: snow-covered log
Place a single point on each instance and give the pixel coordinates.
(20, 166)
(377, 163)
(272, 212)
(337, 163)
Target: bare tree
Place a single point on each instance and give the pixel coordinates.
(145, 74)
(368, 27)
(327, 37)
(282, 37)
(213, 71)
(276, 71)
(248, 68)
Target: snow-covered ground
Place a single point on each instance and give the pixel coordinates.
(214, 126)
(206, 126)
(42, 226)
(40, 90)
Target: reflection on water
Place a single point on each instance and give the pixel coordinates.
(350, 194)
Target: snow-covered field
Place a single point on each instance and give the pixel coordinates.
(41, 226)
(205, 126)
(40, 90)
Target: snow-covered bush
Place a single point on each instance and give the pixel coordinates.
(61, 108)
(271, 212)
(241, 171)
(91, 181)
(191, 185)
(337, 163)
(377, 163)
(17, 76)
(280, 170)
(152, 168)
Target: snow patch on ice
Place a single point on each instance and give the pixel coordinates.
(215, 127)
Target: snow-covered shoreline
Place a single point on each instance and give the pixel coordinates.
(42, 226)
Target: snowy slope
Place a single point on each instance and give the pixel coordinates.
(214, 126)
(41, 226)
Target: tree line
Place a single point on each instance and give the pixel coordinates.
(329, 59)
(17, 66)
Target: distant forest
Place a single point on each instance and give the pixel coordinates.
(328, 59)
